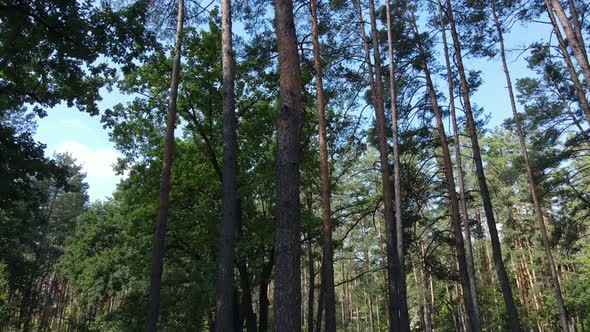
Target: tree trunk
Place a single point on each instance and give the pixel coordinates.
(401, 273)
(426, 288)
(229, 221)
(246, 311)
(377, 94)
(531, 177)
(287, 294)
(263, 302)
(311, 287)
(158, 253)
(574, 37)
(580, 91)
(474, 321)
(459, 162)
(328, 251)
(318, 326)
(483, 187)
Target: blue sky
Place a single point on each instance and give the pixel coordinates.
(68, 130)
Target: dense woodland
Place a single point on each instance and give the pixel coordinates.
(298, 166)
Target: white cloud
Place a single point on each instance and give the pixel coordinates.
(98, 166)
(97, 162)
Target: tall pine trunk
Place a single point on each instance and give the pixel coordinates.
(377, 95)
(531, 177)
(473, 316)
(460, 178)
(159, 243)
(287, 293)
(229, 222)
(483, 186)
(574, 36)
(328, 251)
(580, 90)
(403, 305)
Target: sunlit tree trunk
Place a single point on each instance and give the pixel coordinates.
(574, 36)
(159, 243)
(579, 88)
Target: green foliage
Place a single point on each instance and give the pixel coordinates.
(54, 51)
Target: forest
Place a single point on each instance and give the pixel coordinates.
(299, 165)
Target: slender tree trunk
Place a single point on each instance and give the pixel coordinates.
(158, 253)
(328, 252)
(311, 286)
(463, 319)
(420, 300)
(428, 327)
(263, 302)
(574, 37)
(531, 177)
(225, 259)
(401, 273)
(318, 326)
(371, 313)
(459, 162)
(580, 90)
(342, 296)
(474, 320)
(287, 293)
(385, 280)
(454, 313)
(246, 300)
(377, 93)
(483, 187)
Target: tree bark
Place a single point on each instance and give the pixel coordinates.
(229, 221)
(287, 294)
(531, 177)
(483, 187)
(160, 236)
(403, 305)
(473, 316)
(377, 94)
(574, 37)
(328, 251)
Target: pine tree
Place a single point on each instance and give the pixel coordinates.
(159, 243)
(224, 307)
(287, 293)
